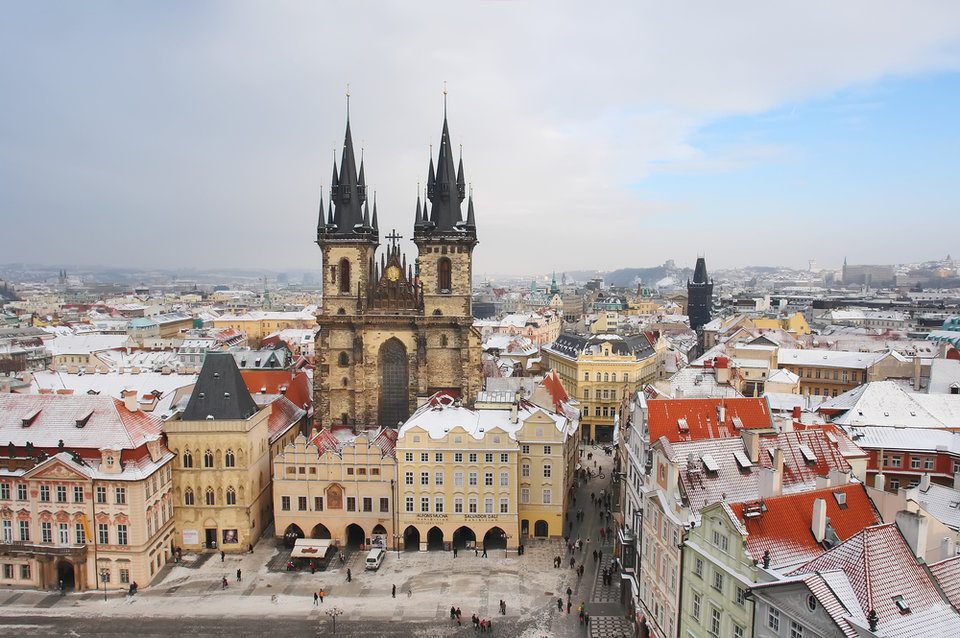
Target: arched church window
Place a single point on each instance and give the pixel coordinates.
(345, 275)
(209, 497)
(444, 275)
(187, 459)
(343, 359)
(443, 341)
(188, 497)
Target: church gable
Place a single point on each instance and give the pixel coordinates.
(392, 282)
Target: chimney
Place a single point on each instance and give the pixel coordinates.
(751, 444)
(880, 481)
(925, 482)
(838, 477)
(916, 373)
(769, 483)
(721, 413)
(913, 526)
(515, 408)
(956, 481)
(130, 401)
(818, 524)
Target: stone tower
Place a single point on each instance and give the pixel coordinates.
(390, 332)
(699, 297)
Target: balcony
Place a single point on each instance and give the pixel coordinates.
(35, 550)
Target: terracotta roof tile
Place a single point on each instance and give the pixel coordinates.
(701, 418)
(783, 526)
(947, 574)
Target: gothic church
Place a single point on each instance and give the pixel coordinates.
(393, 331)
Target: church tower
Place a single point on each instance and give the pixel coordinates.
(699, 300)
(391, 334)
(444, 239)
(348, 236)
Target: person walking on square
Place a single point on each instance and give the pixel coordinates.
(238, 575)
(503, 608)
(600, 555)
(349, 575)
(223, 583)
(453, 612)
(393, 591)
(484, 555)
(321, 594)
(569, 605)
(569, 593)
(594, 555)
(454, 552)
(316, 599)
(222, 556)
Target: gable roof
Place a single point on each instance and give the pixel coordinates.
(886, 403)
(220, 391)
(106, 422)
(947, 575)
(782, 525)
(701, 418)
(880, 567)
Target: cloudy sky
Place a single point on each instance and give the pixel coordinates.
(596, 135)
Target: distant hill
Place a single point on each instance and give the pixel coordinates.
(625, 277)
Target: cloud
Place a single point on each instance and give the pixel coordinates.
(199, 134)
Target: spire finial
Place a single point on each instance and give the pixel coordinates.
(348, 101)
(444, 99)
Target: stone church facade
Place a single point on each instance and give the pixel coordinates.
(393, 331)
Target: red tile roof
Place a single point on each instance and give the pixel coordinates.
(557, 392)
(783, 526)
(283, 415)
(947, 574)
(702, 418)
(880, 566)
(296, 387)
(734, 484)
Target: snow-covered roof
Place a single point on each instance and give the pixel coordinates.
(909, 439)
(887, 403)
(829, 358)
(783, 376)
(944, 376)
(64, 344)
(442, 414)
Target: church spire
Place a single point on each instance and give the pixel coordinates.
(445, 189)
(376, 226)
(321, 220)
(348, 192)
(461, 185)
(471, 220)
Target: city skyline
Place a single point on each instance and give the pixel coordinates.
(729, 140)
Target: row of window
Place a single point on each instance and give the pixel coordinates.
(458, 503)
(209, 496)
(473, 478)
(613, 395)
(366, 504)
(472, 457)
(773, 622)
(79, 536)
(301, 470)
(847, 376)
(209, 460)
(927, 463)
(59, 493)
(9, 572)
(608, 377)
(715, 621)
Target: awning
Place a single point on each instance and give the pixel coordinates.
(310, 548)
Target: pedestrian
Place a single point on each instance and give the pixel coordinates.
(503, 608)
(222, 556)
(560, 604)
(476, 552)
(484, 555)
(569, 593)
(250, 547)
(594, 555)
(603, 535)
(349, 575)
(238, 576)
(316, 598)
(475, 621)
(409, 591)
(454, 552)
(223, 583)
(453, 612)
(313, 569)
(569, 605)
(393, 591)
(572, 561)
(600, 555)
(321, 594)
(458, 615)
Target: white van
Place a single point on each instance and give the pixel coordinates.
(375, 558)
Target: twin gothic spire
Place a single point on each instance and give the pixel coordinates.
(348, 215)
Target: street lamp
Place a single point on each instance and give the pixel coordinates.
(104, 574)
(506, 543)
(333, 612)
(396, 544)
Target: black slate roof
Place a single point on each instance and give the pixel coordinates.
(220, 391)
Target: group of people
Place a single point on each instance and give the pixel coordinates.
(483, 625)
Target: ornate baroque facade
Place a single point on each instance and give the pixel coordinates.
(390, 330)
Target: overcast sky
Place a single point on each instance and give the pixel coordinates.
(596, 135)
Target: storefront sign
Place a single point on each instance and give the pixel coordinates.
(191, 537)
(431, 517)
(482, 517)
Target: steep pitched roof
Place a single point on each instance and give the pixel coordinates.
(947, 575)
(694, 419)
(881, 568)
(220, 391)
(782, 525)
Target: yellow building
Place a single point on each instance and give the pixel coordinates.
(85, 493)
(796, 324)
(599, 371)
(487, 477)
(257, 325)
(224, 443)
(338, 489)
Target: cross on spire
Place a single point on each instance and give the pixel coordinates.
(394, 238)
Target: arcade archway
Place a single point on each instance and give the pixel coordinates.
(434, 539)
(464, 537)
(355, 536)
(495, 538)
(320, 531)
(291, 534)
(411, 539)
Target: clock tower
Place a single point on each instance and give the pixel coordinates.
(390, 332)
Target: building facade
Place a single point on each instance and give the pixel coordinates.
(85, 493)
(600, 371)
(393, 331)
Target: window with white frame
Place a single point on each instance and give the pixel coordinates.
(504, 505)
(718, 580)
(773, 619)
(796, 629)
(695, 606)
(472, 505)
(547, 470)
(458, 505)
(715, 619)
(504, 479)
(473, 478)
(408, 478)
(424, 503)
(547, 496)
(698, 567)
(458, 479)
(408, 504)
(438, 504)
(488, 505)
(525, 495)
